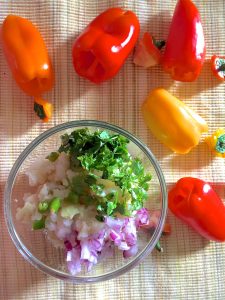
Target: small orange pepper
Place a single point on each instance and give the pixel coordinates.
(43, 109)
(172, 122)
(27, 55)
(216, 142)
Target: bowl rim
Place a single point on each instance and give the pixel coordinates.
(60, 274)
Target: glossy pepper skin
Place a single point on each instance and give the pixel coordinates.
(185, 47)
(196, 203)
(102, 48)
(27, 55)
(172, 122)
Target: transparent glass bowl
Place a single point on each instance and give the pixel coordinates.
(34, 246)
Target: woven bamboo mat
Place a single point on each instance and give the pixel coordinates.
(190, 267)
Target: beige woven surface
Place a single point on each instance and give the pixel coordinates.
(190, 268)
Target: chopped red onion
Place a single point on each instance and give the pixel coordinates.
(88, 249)
(68, 245)
(141, 217)
(131, 252)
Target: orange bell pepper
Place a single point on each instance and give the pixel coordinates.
(172, 122)
(27, 55)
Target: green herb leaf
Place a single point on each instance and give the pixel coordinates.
(98, 189)
(99, 218)
(110, 208)
(103, 153)
(104, 135)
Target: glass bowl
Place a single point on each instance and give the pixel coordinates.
(34, 246)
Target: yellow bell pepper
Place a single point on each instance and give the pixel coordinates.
(172, 122)
(216, 142)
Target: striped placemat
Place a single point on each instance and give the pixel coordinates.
(190, 267)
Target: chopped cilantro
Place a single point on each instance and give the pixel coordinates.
(101, 155)
(99, 218)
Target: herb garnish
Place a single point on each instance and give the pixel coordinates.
(103, 158)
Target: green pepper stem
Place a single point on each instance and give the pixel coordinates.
(159, 44)
(221, 67)
(39, 109)
(220, 145)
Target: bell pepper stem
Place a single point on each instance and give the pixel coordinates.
(159, 43)
(221, 67)
(220, 145)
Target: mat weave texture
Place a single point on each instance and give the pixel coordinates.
(190, 267)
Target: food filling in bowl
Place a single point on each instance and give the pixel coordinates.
(89, 197)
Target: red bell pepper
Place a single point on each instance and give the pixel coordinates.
(148, 52)
(196, 203)
(102, 48)
(185, 47)
(218, 67)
